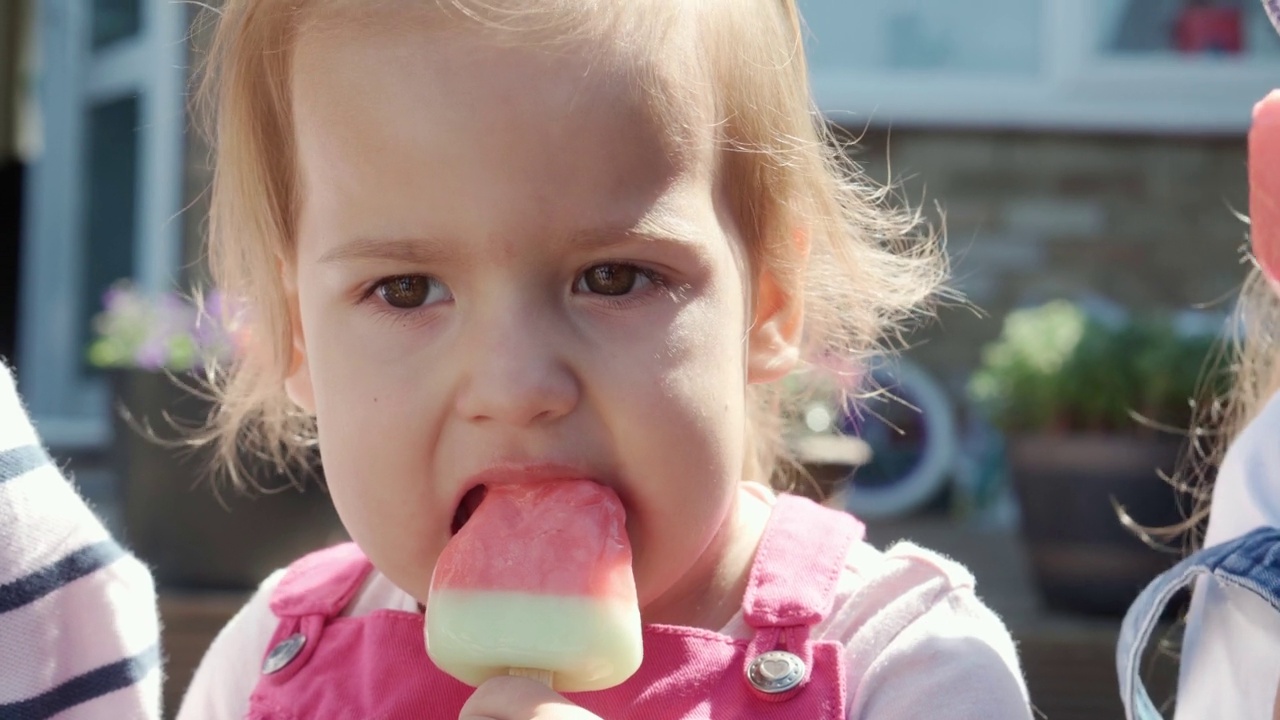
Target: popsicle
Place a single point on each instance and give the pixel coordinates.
(1264, 185)
(538, 581)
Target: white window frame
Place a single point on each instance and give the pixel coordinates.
(71, 410)
(1079, 88)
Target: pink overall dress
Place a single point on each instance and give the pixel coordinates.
(323, 665)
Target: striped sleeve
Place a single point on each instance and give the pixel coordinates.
(79, 634)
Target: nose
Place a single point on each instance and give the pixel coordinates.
(517, 373)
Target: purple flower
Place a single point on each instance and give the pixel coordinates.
(160, 330)
(152, 355)
(114, 298)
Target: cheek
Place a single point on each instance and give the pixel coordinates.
(359, 374)
(367, 412)
(701, 386)
(378, 477)
(707, 344)
(708, 365)
(688, 444)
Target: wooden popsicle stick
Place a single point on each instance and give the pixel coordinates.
(543, 676)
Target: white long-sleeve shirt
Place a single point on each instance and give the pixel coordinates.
(79, 631)
(1231, 651)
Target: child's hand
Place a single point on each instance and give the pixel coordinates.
(514, 698)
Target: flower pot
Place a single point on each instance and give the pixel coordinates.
(194, 531)
(1083, 559)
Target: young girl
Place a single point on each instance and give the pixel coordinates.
(1230, 663)
(1230, 659)
(500, 241)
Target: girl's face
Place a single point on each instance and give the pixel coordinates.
(507, 268)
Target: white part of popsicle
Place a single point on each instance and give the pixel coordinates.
(586, 643)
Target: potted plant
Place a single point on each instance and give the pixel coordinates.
(194, 531)
(1093, 414)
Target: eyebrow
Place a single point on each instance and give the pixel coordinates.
(429, 251)
(413, 251)
(659, 229)
(605, 238)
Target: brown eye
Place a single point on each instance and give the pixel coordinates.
(409, 291)
(612, 279)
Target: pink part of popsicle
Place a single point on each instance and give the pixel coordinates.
(1264, 185)
(563, 537)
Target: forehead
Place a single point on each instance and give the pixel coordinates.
(401, 105)
(643, 66)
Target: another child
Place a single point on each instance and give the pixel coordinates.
(79, 633)
(1230, 660)
(500, 241)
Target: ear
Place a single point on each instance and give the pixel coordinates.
(773, 341)
(297, 380)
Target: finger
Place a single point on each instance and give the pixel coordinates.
(514, 698)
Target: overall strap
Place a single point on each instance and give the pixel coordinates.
(1251, 562)
(322, 583)
(798, 564)
(791, 588)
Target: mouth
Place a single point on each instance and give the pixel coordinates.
(477, 485)
(470, 502)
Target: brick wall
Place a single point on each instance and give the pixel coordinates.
(1144, 221)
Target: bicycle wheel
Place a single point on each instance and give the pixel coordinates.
(910, 429)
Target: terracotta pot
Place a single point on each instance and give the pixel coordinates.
(1084, 559)
(192, 534)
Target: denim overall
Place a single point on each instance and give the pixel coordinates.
(1251, 562)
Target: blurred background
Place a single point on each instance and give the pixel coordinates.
(1088, 154)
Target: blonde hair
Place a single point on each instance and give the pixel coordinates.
(1256, 349)
(869, 267)
(1250, 357)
